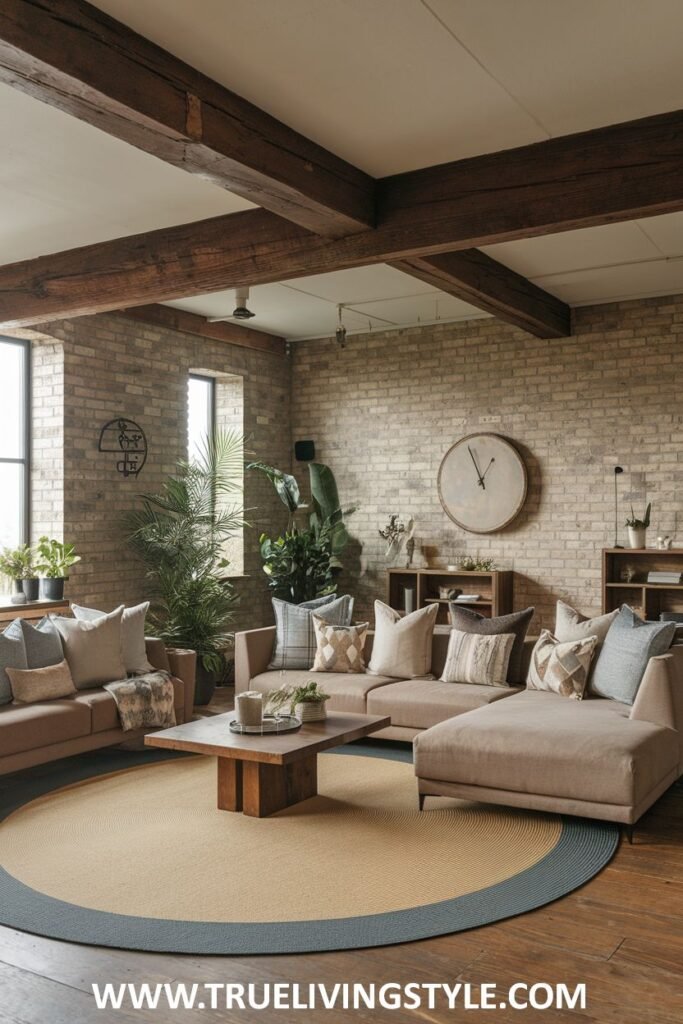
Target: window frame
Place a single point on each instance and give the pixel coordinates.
(25, 461)
(211, 381)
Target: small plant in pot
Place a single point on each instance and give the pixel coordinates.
(637, 528)
(16, 564)
(54, 561)
(308, 702)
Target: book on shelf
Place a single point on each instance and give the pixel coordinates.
(467, 598)
(657, 576)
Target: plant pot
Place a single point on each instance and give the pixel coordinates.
(52, 588)
(205, 685)
(311, 711)
(31, 588)
(636, 536)
(18, 595)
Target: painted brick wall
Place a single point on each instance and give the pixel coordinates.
(384, 411)
(112, 366)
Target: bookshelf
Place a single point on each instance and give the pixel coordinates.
(648, 599)
(494, 587)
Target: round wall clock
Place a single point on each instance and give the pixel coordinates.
(482, 483)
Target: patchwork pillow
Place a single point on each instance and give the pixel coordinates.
(12, 655)
(476, 658)
(132, 634)
(628, 646)
(36, 684)
(517, 623)
(572, 625)
(42, 643)
(561, 668)
(340, 648)
(402, 646)
(295, 643)
(93, 649)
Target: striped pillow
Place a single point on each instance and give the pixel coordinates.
(473, 658)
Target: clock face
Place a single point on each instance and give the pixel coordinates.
(482, 483)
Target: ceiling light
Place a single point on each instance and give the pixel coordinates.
(241, 310)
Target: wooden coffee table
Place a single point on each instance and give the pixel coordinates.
(260, 775)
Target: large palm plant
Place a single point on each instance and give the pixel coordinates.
(180, 533)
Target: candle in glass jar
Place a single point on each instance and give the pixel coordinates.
(249, 707)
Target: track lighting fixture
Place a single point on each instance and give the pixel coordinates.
(340, 333)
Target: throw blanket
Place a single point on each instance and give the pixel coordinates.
(144, 701)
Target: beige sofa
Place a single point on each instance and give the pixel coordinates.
(34, 734)
(593, 758)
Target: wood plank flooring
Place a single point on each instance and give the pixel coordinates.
(621, 934)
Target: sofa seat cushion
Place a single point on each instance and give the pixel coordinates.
(541, 743)
(347, 690)
(27, 727)
(105, 715)
(421, 703)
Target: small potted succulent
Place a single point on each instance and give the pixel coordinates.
(308, 702)
(637, 528)
(15, 564)
(55, 560)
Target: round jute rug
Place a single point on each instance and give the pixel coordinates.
(140, 858)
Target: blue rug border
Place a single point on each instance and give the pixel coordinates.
(584, 848)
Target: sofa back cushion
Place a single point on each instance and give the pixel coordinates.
(42, 643)
(402, 646)
(561, 668)
(628, 646)
(93, 649)
(517, 623)
(295, 643)
(29, 686)
(477, 658)
(12, 655)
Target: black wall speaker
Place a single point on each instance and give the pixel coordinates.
(304, 451)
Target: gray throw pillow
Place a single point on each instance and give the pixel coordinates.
(628, 646)
(468, 621)
(12, 655)
(43, 643)
(295, 641)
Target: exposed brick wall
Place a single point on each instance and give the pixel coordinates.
(384, 411)
(114, 366)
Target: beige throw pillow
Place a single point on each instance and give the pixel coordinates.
(93, 649)
(572, 625)
(340, 648)
(403, 644)
(474, 658)
(35, 684)
(132, 634)
(561, 668)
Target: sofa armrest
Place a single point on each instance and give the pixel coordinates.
(183, 665)
(660, 695)
(156, 653)
(253, 651)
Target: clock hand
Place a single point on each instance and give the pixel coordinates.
(487, 469)
(481, 479)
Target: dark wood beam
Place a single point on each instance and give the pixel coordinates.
(190, 323)
(473, 276)
(74, 57)
(617, 173)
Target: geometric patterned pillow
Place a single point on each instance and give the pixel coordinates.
(561, 668)
(340, 648)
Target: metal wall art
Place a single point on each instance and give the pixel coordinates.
(125, 438)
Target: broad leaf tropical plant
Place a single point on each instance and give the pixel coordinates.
(55, 558)
(179, 534)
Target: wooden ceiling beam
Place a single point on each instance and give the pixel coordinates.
(474, 277)
(227, 332)
(72, 56)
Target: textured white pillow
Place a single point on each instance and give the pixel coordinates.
(476, 658)
(132, 634)
(572, 625)
(93, 649)
(402, 647)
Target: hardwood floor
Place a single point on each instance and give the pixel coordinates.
(621, 934)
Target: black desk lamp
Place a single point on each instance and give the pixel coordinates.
(617, 471)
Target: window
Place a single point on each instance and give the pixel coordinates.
(14, 442)
(201, 413)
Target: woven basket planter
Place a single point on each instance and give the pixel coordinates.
(311, 711)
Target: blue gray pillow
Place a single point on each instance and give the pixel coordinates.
(12, 655)
(295, 641)
(42, 643)
(628, 646)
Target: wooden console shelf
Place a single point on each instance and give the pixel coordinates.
(33, 610)
(494, 587)
(648, 599)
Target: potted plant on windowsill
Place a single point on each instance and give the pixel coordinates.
(55, 560)
(14, 564)
(637, 528)
(308, 702)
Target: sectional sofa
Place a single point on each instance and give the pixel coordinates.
(594, 758)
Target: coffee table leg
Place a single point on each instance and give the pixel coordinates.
(229, 784)
(268, 788)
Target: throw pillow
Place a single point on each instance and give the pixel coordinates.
(403, 644)
(572, 625)
(93, 649)
(35, 684)
(43, 643)
(468, 621)
(628, 646)
(295, 642)
(12, 655)
(561, 668)
(340, 648)
(476, 658)
(132, 634)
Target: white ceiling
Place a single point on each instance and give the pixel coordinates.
(390, 85)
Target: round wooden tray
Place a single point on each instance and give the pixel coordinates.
(284, 723)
